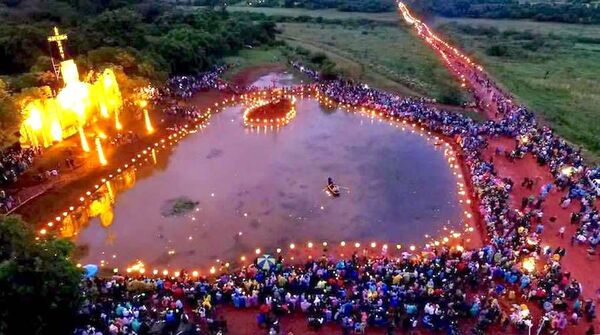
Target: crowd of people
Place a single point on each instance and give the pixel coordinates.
(504, 224)
(565, 162)
(123, 138)
(13, 162)
(185, 112)
(436, 288)
(184, 87)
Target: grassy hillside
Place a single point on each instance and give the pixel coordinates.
(559, 29)
(379, 54)
(553, 68)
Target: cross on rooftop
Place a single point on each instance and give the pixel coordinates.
(58, 38)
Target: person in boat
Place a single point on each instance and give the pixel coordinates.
(332, 187)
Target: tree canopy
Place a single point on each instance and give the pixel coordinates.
(39, 285)
(144, 40)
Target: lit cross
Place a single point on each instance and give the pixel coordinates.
(58, 38)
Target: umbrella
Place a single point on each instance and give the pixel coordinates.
(90, 270)
(265, 262)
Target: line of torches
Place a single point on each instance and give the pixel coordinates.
(298, 91)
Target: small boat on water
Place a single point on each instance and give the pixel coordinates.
(332, 188)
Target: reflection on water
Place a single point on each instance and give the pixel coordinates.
(263, 188)
(275, 79)
(100, 203)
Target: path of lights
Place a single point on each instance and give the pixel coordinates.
(63, 223)
(445, 49)
(463, 61)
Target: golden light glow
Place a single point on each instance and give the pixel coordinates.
(147, 122)
(103, 110)
(56, 131)
(51, 119)
(35, 118)
(101, 157)
(568, 171)
(529, 264)
(118, 124)
(84, 144)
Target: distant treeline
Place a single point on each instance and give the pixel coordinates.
(345, 22)
(369, 6)
(572, 11)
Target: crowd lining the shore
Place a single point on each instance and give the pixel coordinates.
(434, 289)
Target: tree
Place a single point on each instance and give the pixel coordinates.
(39, 285)
(184, 49)
(4, 93)
(10, 118)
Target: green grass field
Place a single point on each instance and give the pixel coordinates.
(387, 57)
(559, 29)
(550, 70)
(252, 58)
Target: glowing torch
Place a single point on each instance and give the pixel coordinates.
(101, 157)
(149, 127)
(84, 144)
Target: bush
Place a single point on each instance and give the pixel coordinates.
(534, 45)
(318, 58)
(497, 50)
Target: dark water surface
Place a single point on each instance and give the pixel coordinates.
(265, 189)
